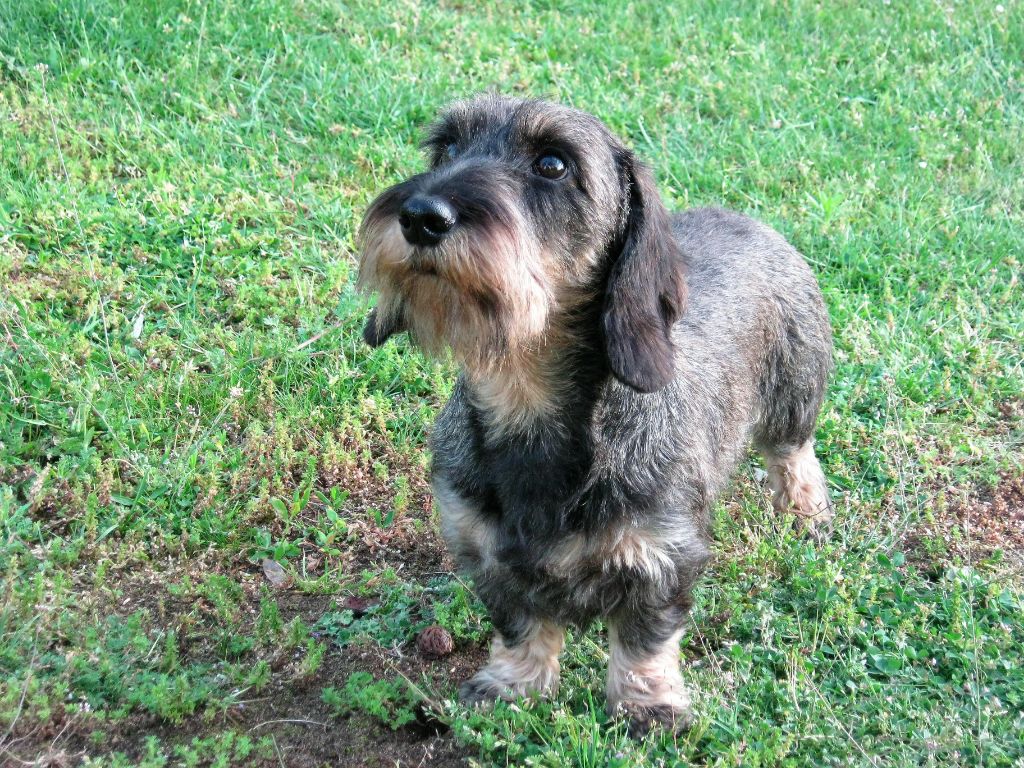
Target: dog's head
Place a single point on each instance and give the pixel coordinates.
(529, 211)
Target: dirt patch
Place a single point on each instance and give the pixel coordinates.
(996, 520)
(305, 732)
(973, 529)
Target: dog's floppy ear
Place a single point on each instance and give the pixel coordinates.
(646, 290)
(379, 328)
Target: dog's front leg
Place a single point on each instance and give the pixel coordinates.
(644, 680)
(523, 662)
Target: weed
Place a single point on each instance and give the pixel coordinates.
(390, 702)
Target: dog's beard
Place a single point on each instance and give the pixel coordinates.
(480, 293)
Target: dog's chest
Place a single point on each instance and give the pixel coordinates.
(553, 516)
(550, 504)
(571, 557)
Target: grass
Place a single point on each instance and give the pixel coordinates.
(183, 389)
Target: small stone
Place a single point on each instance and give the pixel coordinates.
(276, 574)
(435, 642)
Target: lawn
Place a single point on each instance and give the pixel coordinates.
(185, 399)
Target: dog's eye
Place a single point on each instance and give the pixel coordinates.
(451, 150)
(550, 166)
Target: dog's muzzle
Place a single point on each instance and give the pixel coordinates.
(426, 220)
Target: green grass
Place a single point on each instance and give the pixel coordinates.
(184, 392)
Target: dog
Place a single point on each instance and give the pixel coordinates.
(615, 360)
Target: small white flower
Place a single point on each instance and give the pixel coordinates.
(923, 164)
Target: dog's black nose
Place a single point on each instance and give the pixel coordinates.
(426, 220)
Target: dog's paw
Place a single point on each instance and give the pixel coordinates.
(817, 531)
(481, 691)
(484, 688)
(819, 526)
(643, 718)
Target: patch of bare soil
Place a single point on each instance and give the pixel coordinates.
(972, 529)
(305, 731)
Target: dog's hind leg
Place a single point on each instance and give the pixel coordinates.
(798, 486)
(793, 389)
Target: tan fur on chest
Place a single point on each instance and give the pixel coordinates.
(527, 388)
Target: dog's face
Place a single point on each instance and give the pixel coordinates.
(529, 210)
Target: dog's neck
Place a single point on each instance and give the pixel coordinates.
(522, 394)
(539, 387)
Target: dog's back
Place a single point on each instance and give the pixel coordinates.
(755, 347)
(755, 312)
